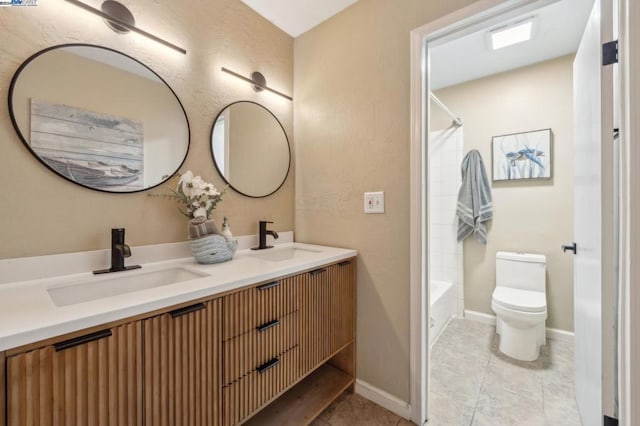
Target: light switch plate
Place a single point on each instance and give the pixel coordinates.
(374, 202)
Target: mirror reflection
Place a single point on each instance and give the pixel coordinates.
(99, 118)
(250, 149)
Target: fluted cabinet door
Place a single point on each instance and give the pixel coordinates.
(315, 309)
(343, 296)
(182, 358)
(91, 380)
(327, 311)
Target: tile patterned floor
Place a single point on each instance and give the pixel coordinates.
(473, 384)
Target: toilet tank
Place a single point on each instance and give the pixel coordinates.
(524, 271)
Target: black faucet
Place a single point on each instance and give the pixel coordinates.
(119, 250)
(262, 236)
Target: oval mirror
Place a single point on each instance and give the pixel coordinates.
(250, 149)
(99, 118)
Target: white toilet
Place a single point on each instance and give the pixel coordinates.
(520, 303)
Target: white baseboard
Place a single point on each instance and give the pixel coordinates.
(563, 335)
(383, 399)
(552, 333)
(480, 317)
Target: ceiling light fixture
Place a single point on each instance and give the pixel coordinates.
(121, 20)
(258, 81)
(511, 34)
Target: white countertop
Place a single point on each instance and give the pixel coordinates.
(28, 314)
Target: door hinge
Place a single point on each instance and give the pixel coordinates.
(610, 421)
(610, 53)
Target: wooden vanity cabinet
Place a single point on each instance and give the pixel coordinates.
(181, 366)
(94, 379)
(274, 353)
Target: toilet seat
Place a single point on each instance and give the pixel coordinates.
(520, 300)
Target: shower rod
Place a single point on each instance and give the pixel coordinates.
(456, 120)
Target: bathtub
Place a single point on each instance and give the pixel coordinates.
(443, 301)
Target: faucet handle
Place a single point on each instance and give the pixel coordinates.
(126, 250)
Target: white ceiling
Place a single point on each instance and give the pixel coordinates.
(297, 16)
(557, 32)
(558, 28)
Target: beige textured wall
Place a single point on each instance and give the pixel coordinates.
(529, 216)
(352, 135)
(41, 213)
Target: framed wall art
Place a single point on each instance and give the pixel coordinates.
(526, 155)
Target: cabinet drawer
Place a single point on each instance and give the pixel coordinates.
(247, 309)
(242, 398)
(243, 353)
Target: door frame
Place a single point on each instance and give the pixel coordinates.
(629, 317)
(481, 12)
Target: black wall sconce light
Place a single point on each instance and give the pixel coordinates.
(121, 20)
(258, 81)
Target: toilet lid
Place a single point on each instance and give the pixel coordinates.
(520, 300)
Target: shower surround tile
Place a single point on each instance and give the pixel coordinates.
(445, 256)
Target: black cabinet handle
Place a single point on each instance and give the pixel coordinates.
(82, 340)
(186, 310)
(345, 263)
(268, 285)
(267, 365)
(317, 271)
(267, 325)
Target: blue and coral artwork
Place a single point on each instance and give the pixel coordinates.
(524, 155)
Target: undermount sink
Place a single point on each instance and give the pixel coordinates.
(278, 254)
(118, 283)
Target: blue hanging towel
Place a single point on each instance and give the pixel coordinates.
(475, 206)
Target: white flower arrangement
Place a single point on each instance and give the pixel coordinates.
(198, 198)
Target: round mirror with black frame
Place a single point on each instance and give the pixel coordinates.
(99, 118)
(250, 149)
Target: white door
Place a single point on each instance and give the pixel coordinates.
(593, 216)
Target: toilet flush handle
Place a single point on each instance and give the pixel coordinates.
(572, 247)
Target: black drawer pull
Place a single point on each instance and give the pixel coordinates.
(345, 263)
(186, 310)
(82, 340)
(268, 285)
(267, 325)
(317, 271)
(267, 365)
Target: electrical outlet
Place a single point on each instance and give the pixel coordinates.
(374, 202)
